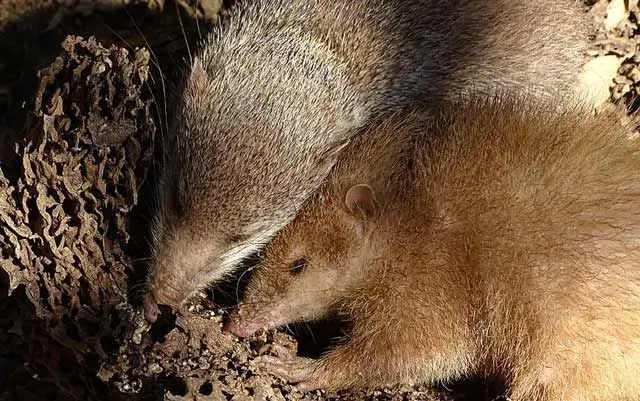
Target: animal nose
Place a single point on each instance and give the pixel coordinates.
(242, 323)
(229, 327)
(233, 326)
(150, 308)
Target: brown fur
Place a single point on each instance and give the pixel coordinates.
(505, 239)
(278, 89)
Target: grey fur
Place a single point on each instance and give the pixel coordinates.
(279, 88)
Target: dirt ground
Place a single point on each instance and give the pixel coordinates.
(85, 93)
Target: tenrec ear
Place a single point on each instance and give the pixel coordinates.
(361, 201)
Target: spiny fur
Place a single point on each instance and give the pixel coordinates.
(282, 85)
(507, 242)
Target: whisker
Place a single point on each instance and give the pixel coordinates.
(198, 3)
(313, 337)
(184, 33)
(226, 309)
(156, 62)
(238, 283)
(143, 259)
(289, 330)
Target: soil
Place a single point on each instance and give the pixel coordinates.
(84, 94)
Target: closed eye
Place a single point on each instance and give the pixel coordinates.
(298, 265)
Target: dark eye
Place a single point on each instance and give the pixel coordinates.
(298, 265)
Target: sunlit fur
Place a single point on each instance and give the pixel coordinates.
(280, 86)
(506, 242)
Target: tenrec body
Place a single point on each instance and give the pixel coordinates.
(488, 238)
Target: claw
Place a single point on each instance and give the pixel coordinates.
(291, 369)
(283, 352)
(273, 365)
(307, 386)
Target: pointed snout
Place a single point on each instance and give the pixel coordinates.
(239, 329)
(170, 286)
(185, 260)
(245, 321)
(167, 295)
(161, 294)
(242, 323)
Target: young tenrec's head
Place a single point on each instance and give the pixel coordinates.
(311, 264)
(327, 255)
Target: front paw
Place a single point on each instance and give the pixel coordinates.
(301, 371)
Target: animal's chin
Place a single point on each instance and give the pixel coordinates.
(175, 284)
(244, 324)
(162, 298)
(241, 329)
(169, 295)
